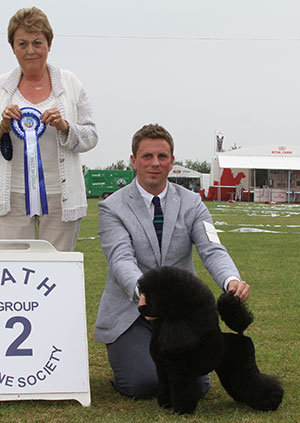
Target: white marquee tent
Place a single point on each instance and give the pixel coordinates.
(285, 157)
(272, 158)
(183, 172)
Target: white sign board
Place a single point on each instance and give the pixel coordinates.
(43, 349)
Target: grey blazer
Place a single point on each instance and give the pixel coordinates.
(130, 245)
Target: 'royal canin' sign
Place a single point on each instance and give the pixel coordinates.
(282, 150)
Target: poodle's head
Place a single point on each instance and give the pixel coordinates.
(184, 308)
(173, 293)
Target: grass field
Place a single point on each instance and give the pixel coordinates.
(268, 261)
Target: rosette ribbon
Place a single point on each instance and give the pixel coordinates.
(29, 128)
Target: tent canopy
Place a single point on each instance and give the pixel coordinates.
(183, 172)
(262, 157)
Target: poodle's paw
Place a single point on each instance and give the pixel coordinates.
(163, 400)
(187, 407)
(164, 405)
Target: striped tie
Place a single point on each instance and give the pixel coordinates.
(158, 220)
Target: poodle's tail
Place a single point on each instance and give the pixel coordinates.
(234, 312)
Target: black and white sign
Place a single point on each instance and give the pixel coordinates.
(43, 349)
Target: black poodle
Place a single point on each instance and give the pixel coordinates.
(187, 342)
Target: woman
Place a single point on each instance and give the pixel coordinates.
(51, 101)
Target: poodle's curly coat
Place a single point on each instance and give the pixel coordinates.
(187, 342)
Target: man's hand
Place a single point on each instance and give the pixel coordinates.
(142, 302)
(242, 289)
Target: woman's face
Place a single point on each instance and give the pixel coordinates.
(31, 49)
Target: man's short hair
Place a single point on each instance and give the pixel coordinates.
(151, 131)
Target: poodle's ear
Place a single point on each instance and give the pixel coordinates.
(176, 337)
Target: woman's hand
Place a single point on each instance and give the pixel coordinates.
(53, 117)
(10, 112)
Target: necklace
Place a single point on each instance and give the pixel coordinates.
(32, 85)
(35, 87)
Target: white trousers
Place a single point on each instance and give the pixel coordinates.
(17, 225)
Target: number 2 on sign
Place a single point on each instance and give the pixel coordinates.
(13, 349)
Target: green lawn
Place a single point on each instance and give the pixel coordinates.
(269, 262)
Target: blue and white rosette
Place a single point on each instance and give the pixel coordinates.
(29, 127)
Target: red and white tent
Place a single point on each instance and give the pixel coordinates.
(266, 173)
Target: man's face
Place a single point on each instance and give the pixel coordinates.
(153, 162)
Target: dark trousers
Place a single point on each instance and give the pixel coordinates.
(134, 370)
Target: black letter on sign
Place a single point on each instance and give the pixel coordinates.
(13, 349)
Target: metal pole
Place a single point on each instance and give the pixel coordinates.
(249, 183)
(254, 183)
(219, 185)
(289, 185)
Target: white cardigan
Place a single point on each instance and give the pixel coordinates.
(75, 108)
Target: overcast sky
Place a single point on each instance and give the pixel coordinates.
(193, 66)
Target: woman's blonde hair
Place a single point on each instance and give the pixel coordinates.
(32, 20)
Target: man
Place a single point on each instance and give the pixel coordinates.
(132, 247)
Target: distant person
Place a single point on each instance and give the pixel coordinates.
(202, 193)
(238, 192)
(132, 246)
(48, 108)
